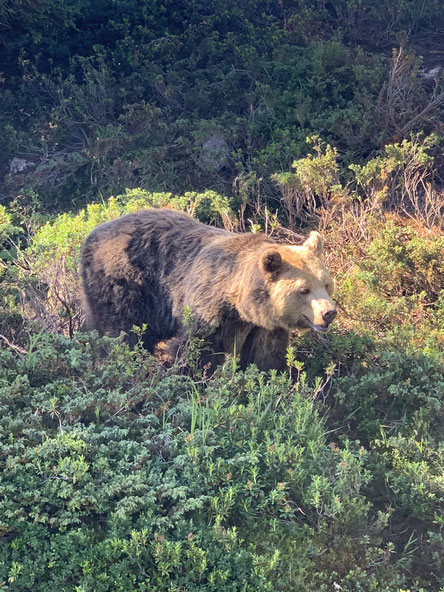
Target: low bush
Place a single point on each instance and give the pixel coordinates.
(395, 290)
(120, 475)
(102, 95)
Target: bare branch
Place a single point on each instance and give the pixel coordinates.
(17, 348)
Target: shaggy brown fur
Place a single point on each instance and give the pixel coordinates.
(244, 290)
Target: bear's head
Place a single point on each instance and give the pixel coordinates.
(296, 287)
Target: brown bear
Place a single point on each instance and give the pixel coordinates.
(245, 292)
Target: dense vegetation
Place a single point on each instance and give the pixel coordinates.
(121, 473)
(102, 95)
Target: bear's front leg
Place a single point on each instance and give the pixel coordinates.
(266, 349)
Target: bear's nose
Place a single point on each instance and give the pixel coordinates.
(330, 315)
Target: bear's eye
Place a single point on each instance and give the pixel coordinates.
(304, 291)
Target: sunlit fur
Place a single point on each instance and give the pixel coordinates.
(302, 271)
(244, 291)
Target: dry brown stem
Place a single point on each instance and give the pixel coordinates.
(17, 348)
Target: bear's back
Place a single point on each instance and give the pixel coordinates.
(129, 264)
(153, 220)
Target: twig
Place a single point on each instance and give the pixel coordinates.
(20, 350)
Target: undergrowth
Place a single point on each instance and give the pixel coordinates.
(120, 475)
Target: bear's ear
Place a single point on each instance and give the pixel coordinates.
(271, 261)
(315, 243)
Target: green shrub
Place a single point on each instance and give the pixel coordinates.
(118, 475)
(311, 186)
(393, 391)
(396, 290)
(105, 95)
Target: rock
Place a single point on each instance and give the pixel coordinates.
(19, 165)
(433, 73)
(214, 152)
